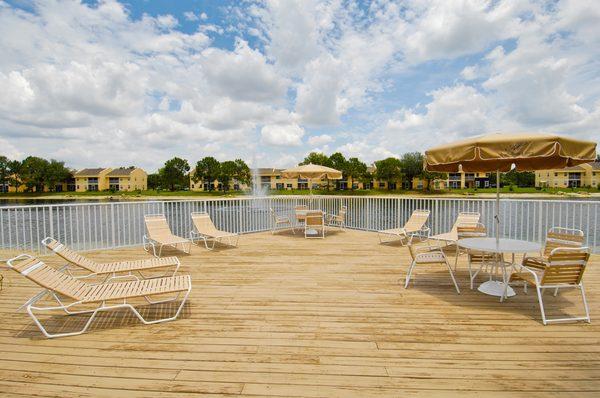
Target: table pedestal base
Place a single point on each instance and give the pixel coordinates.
(495, 288)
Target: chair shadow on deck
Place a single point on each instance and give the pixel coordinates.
(436, 282)
(299, 232)
(105, 320)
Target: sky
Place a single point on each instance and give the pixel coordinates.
(109, 83)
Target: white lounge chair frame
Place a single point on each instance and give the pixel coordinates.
(428, 256)
(32, 308)
(574, 260)
(211, 234)
(123, 268)
(415, 226)
(337, 220)
(150, 240)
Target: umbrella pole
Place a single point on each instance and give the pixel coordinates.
(497, 206)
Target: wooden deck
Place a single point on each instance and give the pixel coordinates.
(283, 316)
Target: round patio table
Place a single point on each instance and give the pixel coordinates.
(501, 246)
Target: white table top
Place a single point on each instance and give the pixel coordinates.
(490, 245)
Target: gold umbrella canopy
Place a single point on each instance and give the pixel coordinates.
(498, 152)
(310, 171)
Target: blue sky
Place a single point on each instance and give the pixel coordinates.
(108, 83)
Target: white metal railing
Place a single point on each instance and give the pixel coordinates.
(104, 225)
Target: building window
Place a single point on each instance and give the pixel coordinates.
(279, 185)
(289, 186)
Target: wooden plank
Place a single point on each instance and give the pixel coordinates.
(282, 316)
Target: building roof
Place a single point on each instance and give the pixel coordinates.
(90, 172)
(595, 165)
(121, 172)
(268, 171)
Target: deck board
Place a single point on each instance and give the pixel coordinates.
(283, 316)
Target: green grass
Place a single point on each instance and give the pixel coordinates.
(357, 192)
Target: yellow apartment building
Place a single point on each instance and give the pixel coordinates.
(583, 175)
(455, 181)
(120, 179)
(64, 186)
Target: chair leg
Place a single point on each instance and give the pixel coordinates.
(456, 258)
(409, 273)
(541, 302)
(585, 304)
(452, 276)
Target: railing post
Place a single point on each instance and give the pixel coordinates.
(112, 224)
(540, 221)
(51, 220)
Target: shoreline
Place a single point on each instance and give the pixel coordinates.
(120, 198)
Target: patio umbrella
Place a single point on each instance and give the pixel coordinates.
(310, 171)
(501, 152)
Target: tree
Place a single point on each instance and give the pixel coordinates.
(429, 176)
(412, 165)
(339, 162)
(4, 172)
(388, 170)
(242, 172)
(207, 169)
(34, 173)
(174, 173)
(518, 178)
(56, 173)
(154, 181)
(317, 158)
(355, 169)
(14, 174)
(227, 172)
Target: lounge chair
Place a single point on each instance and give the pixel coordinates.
(79, 293)
(205, 229)
(416, 225)
(112, 270)
(280, 222)
(451, 236)
(337, 220)
(159, 234)
(314, 221)
(425, 255)
(564, 268)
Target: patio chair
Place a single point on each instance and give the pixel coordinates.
(416, 225)
(280, 222)
(474, 258)
(314, 221)
(425, 255)
(451, 236)
(159, 234)
(564, 268)
(337, 220)
(205, 230)
(64, 288)
(561, 237)
(114, 269)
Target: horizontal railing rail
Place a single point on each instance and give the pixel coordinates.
(105, 225)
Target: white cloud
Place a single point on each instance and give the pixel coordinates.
(141, 90)
(190, 16)
(282, 135)
(316, 140)
(243, 74)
